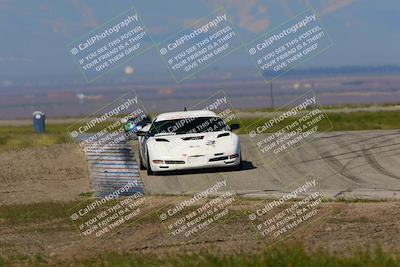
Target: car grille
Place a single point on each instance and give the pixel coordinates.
(174, 162)
(218, 158)
(193, 138)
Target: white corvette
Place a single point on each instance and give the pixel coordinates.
(188, 140)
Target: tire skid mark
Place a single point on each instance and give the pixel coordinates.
(295, 164)
(374, 163)
(350, 154)
(373, 136)
(344, 168)
(338, 166)
(377, 166)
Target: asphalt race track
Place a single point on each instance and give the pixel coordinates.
(364, 164)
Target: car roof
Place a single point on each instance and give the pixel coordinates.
(184, 115)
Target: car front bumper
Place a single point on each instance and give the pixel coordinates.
(195, 164)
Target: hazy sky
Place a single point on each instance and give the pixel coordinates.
(35, 34)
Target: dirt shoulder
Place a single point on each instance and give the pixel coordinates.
(38, 186)
(348, 225)
(55, 173)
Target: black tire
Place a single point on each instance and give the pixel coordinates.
(239, 167)
(141, 166)
(149, 171)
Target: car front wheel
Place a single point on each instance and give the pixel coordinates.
(141, 166)
(149, 171)
(239, 167)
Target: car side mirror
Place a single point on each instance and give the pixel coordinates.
(141, 133)
(234, 126)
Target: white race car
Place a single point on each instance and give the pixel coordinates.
(188, 140)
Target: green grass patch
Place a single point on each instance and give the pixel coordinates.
(20, 137)
(359, 200)
(280, 256)
(86, 194)
(330, 107)
(382, 120)
(34, 213)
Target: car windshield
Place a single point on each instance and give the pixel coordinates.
(139, 121)
(188, 125)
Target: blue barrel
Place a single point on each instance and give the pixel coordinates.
(38, 121)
